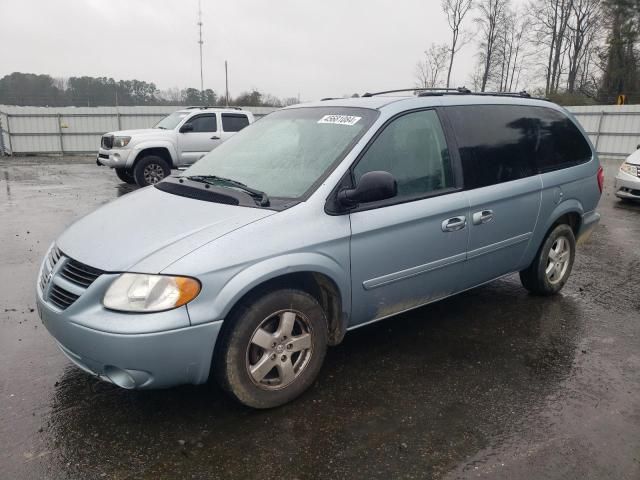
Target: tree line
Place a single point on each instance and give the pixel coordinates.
(29, 89)
(571, 51)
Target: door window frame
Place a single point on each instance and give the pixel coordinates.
(215, 116)
(348, 180)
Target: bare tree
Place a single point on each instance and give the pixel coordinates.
(551, 20)
(513, 49)
(583, 28)
(490, 16)
(455, 10)
(429, 71)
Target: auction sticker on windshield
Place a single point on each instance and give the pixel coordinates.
(340, 119)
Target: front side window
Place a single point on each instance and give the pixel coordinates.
(288, 151)
(413, 149)
(233, 122)
(204, 123)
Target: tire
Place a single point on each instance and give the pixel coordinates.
(536, 278)
(150, 169)
(246, 349)
(125, 175)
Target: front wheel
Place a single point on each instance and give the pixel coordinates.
(551, 267)
(272, 349)
(150, 170)
(126, 175)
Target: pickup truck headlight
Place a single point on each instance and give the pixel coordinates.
(142, 293)
(630, 169)
(121, 142)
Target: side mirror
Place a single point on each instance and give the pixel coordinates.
(372, 187)
(638, 147)
(187, 127)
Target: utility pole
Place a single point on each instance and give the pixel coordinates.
(226, 83)
(200, 42)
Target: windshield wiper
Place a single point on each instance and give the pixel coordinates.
(161, 128)
(260, 197)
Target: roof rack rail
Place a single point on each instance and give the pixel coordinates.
(427, 92)
(329, 98)
(204, 107)
(417, 89)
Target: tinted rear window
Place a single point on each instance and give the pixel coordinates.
(232, 122)
(501, 143)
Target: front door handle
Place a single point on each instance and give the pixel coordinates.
(454, 224)
(215, 137)
(484, 216)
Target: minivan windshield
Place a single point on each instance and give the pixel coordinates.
(171, 121)
(285, 153)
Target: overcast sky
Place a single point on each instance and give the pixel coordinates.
(313, 48)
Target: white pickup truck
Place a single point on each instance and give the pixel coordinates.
(147, 156)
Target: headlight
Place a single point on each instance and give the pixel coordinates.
(137, 292)
(121, 142)
(630, 169)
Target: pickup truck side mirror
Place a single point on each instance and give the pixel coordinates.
(372, 187)
(187, 127)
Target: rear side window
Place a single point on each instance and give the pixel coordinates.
(562, 145)
(232, 122)
(204, 123)
(497, 143)
(501, 143)
(414, 150)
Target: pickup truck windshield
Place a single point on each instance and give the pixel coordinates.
(170, 122)
(287, 152)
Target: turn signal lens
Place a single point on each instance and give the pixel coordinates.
(142, 293)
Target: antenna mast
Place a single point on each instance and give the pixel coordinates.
(200, 42)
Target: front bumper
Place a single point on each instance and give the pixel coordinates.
(627, 186)
(114, 158)
(132, 360)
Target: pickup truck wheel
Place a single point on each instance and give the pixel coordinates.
(126, 175)
(273, 348)
(150, 170)
(552, 265)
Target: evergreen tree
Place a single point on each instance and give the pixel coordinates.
(621, 75)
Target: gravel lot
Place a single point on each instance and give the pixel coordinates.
(493, 383)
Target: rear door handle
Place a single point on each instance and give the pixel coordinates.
(454, 224)
(215, 137)
(484, 216)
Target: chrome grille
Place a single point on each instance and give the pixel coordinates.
(78, 275)
(61, 298)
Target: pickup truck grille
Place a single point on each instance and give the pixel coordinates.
(56, 269)
(107, 142)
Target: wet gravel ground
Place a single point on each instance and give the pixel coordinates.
(493, 383)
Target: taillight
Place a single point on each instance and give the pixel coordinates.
(600, 178)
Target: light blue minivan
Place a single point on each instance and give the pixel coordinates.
(318, 219)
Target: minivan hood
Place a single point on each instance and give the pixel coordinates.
(147, 230)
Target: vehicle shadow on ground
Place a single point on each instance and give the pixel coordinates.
(465, 372)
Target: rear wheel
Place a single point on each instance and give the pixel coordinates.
(552, 265)
(150, 170)
(126, 175)
(273, 348)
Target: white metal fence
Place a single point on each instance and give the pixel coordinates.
(75, 130)
(614, 130)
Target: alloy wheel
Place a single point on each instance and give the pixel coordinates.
(279, 350)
